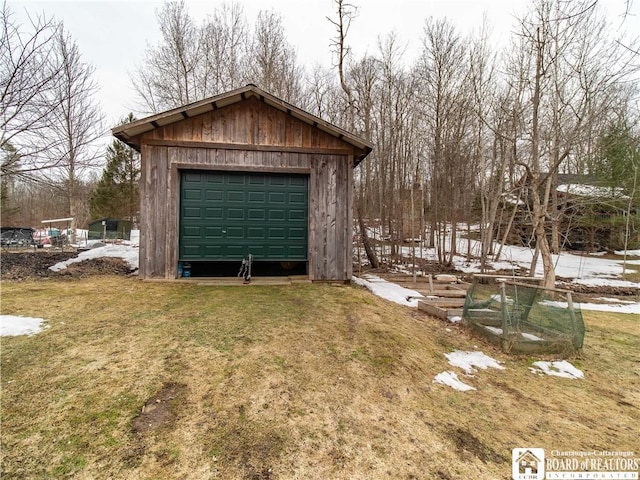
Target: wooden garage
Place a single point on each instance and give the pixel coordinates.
(245, 173)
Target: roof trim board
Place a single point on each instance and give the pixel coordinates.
(129, 132)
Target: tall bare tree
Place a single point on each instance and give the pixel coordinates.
(223, 40)
(29, 72)
(271, 62)
(76, 124)
(572, 67)
(168, 76)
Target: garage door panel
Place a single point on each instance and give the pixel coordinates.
(214, 195)
(256, 233)
(297, 214)
(214, 213)
(277, 198)
(276, 233)
(297, 233)
(297, 252)
(235, 233)
(192, 251)
(277, 251)
(235, 213)
(277, 215)
(256, 214)
(227, 215)
(192, 212)
(297, 198)
(256, 197)
(213, 232)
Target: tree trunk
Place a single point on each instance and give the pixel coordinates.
(371, 254)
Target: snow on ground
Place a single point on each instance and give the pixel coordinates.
(388, 290)
(528, 336)
(630, 253)
(633, 307)
(451, 379)
(557, 369)
(468, 360)
(588, 269)
(602, 281)
(128, 253)
(11, 325)
(614, 300)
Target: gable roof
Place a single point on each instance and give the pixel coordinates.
(527, 454)
(129, 132)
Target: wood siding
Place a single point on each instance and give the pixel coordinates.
(248, 136)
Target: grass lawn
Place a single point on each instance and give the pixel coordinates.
(137, 380)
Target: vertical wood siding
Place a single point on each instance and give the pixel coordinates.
(253, 123)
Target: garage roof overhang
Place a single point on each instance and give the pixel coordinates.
(130, 133)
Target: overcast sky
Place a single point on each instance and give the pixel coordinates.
(113, 35)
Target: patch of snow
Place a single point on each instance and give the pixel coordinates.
(614, 300)
(532, 337)
(12, 325)
(605, 282)
(633, 307)
(630, 253)
(452, 380)
(525, 335)
(468, 360)
(583, 190)
(557, 369)
(387, 290)
(496, 330)
(128, 253)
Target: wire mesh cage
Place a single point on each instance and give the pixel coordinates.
(523, 317)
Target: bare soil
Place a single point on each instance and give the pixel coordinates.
(34, 264)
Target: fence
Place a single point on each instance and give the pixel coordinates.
(523, 317)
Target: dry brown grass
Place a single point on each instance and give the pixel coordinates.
(304, 382)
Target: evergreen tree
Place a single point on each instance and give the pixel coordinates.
(116, 194)
(618, 158)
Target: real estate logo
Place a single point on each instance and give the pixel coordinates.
(527, 463)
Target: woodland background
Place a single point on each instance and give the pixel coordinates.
(463, 135)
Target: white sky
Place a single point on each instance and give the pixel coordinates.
(112, 35)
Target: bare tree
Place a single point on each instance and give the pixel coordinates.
(223, 42)
(29, 72)
(346, 13)
(572, 68)
(168, 75)
(76, 124)
(271, 62)
(446, 108)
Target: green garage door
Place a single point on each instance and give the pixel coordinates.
(226, 216)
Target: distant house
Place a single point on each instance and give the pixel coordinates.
(591, 216)
(109, 229)
(245, 173)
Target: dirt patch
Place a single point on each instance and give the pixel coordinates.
(34, 264)
(159, 410)
(466, 442)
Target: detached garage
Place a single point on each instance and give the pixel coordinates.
(245, 173)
